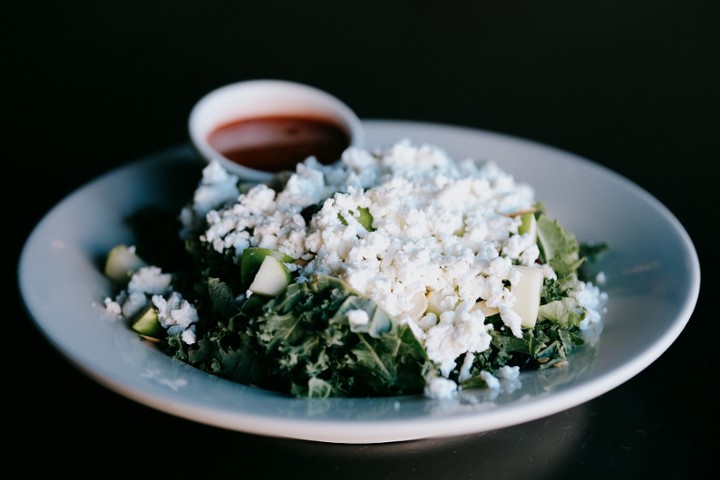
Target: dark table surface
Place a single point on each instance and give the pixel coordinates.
(633, 85)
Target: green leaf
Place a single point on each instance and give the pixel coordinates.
(222, 299)
(566, 312)
(363, 217)
(558, 246)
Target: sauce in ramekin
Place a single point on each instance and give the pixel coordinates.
(279, 142)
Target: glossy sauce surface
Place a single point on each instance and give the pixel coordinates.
(276, 143)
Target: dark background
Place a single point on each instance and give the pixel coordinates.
(633, 85)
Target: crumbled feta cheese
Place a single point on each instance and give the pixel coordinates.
(593, 300)
(126, 304)
(440, 388)
(458, 331)
(490, 379)
(149, 280)
(188, 335)
(175, 313)
(358, 318)
(133, 303)
(112, 306)
(466, 366)
(509, 373)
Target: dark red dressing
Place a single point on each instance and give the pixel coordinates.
(277, 143)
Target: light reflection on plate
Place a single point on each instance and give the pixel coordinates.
(652, 271)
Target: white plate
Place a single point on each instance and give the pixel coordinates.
(652, 270)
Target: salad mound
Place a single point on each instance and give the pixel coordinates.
(395, 271)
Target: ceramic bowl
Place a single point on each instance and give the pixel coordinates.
(265, 99)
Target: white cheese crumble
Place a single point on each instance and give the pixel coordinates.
(440, 388)
(358, 318)
(149, 280)
(175, 313)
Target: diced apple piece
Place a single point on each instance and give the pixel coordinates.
(527, 293)
(487, 311)
(435, 302)
(253, 257)
(420, 304)
(528, 225)
(122, 261)
(272, 277)
(147, 323)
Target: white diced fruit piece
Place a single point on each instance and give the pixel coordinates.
(436, 302)
(487, 311)
(527, 293)
(253, 257)
(420, 305)
(272, 277)
(121, 263)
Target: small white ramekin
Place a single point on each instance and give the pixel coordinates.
(261, 98)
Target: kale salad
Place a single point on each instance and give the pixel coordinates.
(395, 271)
